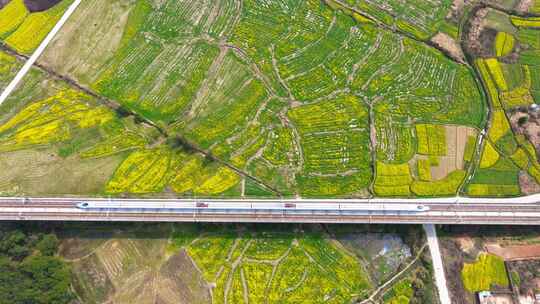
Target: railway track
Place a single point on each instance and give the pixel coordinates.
(265, 218)
(440, 212)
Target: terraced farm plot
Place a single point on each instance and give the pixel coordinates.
(377, 63)
(418, 18)
(420, 83)
(285, 98)
(222, 263)
(122, 265)
(395, 139)
(275, 266)
(308, 100)
(162, 60)
(334, 138)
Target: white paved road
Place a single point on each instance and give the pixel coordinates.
(438, 269)
(30, 62)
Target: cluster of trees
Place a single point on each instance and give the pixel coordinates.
(30, 271)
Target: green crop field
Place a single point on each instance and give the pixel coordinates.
(272, 98)
(418, 18)
(268, 99)
(487, 271)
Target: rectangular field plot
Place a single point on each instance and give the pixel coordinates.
(431, 139)
(392, 180)
(456, 138)
(446, 186)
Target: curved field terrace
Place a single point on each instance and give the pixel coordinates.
(255, 98)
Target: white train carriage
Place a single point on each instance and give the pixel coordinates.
(224, 205)
(383, 207)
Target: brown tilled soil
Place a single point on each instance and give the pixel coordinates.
(187, 284)
(456, 139)
(527, 184)
(132, 265)
(449, 45)
(530, 127)
(529, 275)
(39, 5)
(510, 253)
(523, 6)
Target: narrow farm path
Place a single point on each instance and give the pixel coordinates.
(394, 278)
(30, 62)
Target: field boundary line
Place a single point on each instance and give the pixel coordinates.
(37, 53)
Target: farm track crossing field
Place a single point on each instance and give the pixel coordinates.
(278, 266)
(292, 98)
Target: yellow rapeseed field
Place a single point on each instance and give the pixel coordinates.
(496, 72)
(488, 270)
(499, 125)
(50, 120)
(131, 169)
(504, 43)
(11, 16)
(184, 180)
(489, 156)
(525, 22)
(221, 181)
(34, 28)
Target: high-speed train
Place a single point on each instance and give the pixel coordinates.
(223, 205)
